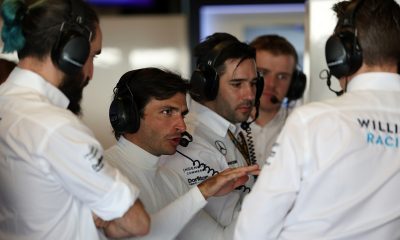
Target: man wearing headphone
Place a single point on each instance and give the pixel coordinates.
(54, 182)
(147, 115)
(335, 171)
(223, 92)
(284, 83)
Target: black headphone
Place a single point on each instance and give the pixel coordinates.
(297, 85)
(204, 82)
(123, 113)
(72, 48)
(343, 52)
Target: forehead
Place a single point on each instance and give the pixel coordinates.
(281, 61)
(241, 65)
(178, 100)
(97, 42)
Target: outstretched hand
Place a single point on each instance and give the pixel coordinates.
(226, 181)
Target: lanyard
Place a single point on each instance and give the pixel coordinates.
(241, 146)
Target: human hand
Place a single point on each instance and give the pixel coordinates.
(226, 181)
(100, 223)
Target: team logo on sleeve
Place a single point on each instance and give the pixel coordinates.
(95, 158)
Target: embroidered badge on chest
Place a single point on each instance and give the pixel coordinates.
(221, 147)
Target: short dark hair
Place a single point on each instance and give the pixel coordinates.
(33, 30)
(146, 84)
(378, 28)
(234, 49)
(6, 67)
(275, 44)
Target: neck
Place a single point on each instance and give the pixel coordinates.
(45, 68)
(209, 104)
(385, 67)
(136, 139)
(265, 117)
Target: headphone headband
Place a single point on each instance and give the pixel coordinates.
(213, 55)
(123, 113)
(342, 51)
(72, 48)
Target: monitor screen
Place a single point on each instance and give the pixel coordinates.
(131, 3)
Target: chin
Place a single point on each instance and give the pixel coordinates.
(240, 120)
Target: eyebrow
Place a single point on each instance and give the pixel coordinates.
(186, 111)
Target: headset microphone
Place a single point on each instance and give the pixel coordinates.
(186, 138)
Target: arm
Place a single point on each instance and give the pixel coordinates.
(226, 181)
(203, 226)
(266, 207)
(168, 222)
(135, 222)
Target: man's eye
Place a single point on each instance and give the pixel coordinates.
(236, 84)
(167, 111)
(283, 76)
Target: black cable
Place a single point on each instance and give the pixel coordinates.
(197, 163)
(250, 145)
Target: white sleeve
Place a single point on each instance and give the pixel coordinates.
(167, 223)
(76, 160)
(264, 210)
(203, 226)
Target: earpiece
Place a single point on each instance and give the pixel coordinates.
(297, 85)
(72, 48)
(343, 53)
(204, 82)
(123, 113)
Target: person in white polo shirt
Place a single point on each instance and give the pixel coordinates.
(54, 183)
(147, 115)
(335, 171)
(284, 84)
(223, 93)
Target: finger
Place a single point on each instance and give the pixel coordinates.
(256, 172)
(245, 170)
(240, 181)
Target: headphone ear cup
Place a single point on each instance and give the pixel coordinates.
(124, 116)
(204, 83)
(297, 85)
(343, 54)
(259, 87)
(197, 85)
(71, 51)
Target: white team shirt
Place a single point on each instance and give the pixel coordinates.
(174, 209)
(52, 176)
(335, 173)
(211, 151)
(265, 136)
